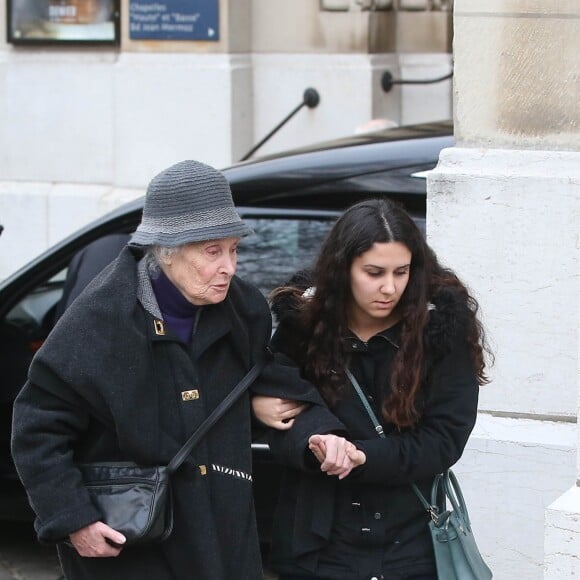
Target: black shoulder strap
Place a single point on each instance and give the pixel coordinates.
(215, 415)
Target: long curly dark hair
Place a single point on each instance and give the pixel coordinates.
(324, 315)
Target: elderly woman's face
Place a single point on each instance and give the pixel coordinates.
(202, 271)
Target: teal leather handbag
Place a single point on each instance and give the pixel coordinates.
(457, 556)
(456, 553)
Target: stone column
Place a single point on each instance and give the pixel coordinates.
(503, 209)
(562, 529)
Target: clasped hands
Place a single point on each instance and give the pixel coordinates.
(337, 455)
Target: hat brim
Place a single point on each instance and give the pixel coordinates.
(233, 230)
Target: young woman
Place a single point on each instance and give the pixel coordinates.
(379, 306)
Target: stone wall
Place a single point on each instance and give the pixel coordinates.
(503, 210)
(99, 123)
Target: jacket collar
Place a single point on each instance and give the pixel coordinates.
(390, 335)
(213, 323)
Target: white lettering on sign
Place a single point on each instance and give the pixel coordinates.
(137, 7)
(176, 27)
(145, 17)
(171, 20)
(185, 17)
(56, 12)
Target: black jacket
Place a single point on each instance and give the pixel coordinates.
(371, 523)
(106, 387)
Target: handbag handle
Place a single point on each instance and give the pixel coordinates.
(216, 414)
(453, 492)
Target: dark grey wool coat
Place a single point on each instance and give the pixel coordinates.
(105, 387)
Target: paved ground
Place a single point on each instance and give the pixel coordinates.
(22, 558)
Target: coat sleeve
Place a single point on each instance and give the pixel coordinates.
(291, 447)
(281, 378)
(44, 430)
(437, 442)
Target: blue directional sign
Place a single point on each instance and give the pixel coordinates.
(174, 19)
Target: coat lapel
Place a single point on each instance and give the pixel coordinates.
(217, 321)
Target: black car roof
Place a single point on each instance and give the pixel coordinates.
(328, 175)
(403, 133)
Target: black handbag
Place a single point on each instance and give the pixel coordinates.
(457, 556)
(136, 500)
(133, 499)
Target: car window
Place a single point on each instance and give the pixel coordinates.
(268, 258)
(31, 312)
(23, 330)
(279, 248)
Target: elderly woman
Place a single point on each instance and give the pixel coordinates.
(136, 363)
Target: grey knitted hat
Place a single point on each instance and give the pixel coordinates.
(188, 202)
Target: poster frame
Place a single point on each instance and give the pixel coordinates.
(14, 37)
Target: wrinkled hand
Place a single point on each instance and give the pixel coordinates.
(276, 413)
(337, 455)
(91, 541)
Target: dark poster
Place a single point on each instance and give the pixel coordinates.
(174, 20)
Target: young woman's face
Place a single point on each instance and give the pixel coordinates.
(378, 279)
(202, 271)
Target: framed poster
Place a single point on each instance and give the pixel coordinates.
(174, 20)
(63, 21)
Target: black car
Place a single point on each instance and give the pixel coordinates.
(290, 199)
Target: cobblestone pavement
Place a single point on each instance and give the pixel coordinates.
(23, 558)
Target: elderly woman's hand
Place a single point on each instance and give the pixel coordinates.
(276, 413)
(337, 455)
(97, 540)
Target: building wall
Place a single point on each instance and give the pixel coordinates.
(503, 210)
(99, 123)
(489, 218)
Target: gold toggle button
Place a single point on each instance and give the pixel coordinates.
(202, 469)
(190, 395)
(159, 327)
